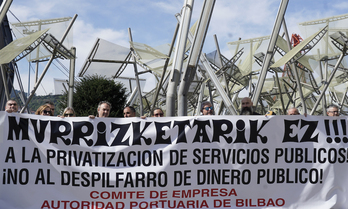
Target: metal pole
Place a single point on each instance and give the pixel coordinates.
(165, 67)
(4, 80)
(326, 66)
(136, 74)
(200, 98)
(37, 58)
(270, 49)
(68, 29)
(329, 81)
(251, 67)
(46, 68)
(218, 50)
(132, 97)
(294, 70)
(178, 57)
(343, 97)
(217, 84)
(4, 8)
(280, 92)
(71, 78)
(39, 81)
(195, 51)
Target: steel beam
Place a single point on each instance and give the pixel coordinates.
(195, 52)
(270, 49)
(178, 57)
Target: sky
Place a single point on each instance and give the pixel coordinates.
(153, 22)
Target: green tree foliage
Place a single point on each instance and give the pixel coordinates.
(93, 89)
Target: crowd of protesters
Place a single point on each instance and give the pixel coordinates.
(104, 108)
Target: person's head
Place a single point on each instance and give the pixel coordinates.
(157, 112)
(207, 108)
(246, 106)
(11, 106)
(129, 112)
(293, 111)
(44, 110)
(69, 112)
(332, 110)
(104, 108)
(49, 103)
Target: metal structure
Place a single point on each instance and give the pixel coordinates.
(195, 76)
(7, 76)
(306, 75)
(22, 47)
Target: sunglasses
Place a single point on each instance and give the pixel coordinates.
(47, 112)
(12, 104)
(208, 108)
(68, 114)
(159, 114)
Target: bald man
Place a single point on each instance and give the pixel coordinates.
(247, 107)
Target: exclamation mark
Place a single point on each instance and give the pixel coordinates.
(321, 176)
(327, 128)
(337, 139)
(344, 129)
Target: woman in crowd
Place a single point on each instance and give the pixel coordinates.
(68, 112)
(44, 110)
(157, 112)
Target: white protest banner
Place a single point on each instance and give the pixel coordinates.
(175, 162)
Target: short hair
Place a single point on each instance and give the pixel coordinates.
(104, 102)
(11, 100)
(131, 108)
(204, 104)
(293, 108)
(153, 111)
(331, 106)
(69, 108)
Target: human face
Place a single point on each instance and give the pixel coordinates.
(104, 110)
(246, 102)
(293, 111)
(52, 108)
(69, 113)
(127, 112)
(157, 113)
(11, 106)
(47, 112)
(333, 111)
(208, 110)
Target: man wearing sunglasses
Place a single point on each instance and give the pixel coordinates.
(332, 110)
(11, 106)
(207, 108)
